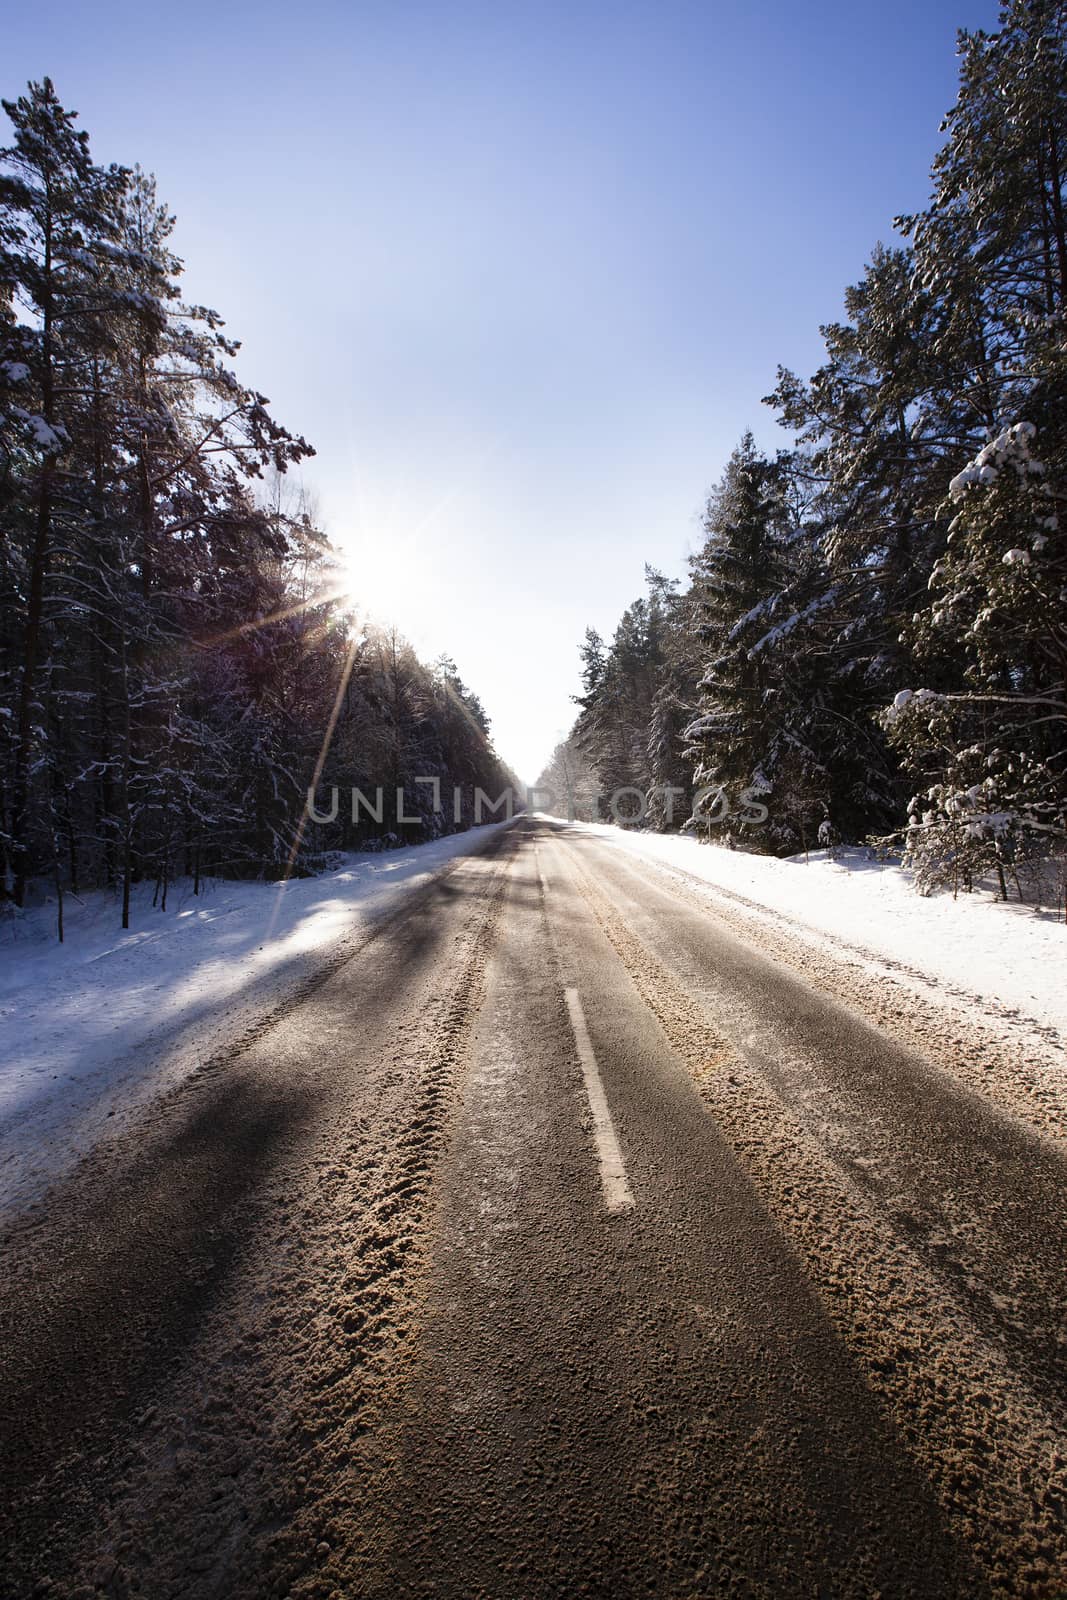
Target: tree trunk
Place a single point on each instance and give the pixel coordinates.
(58, 878)
(32, 634)
(30, 651)
(1059, 225)
(127, 828)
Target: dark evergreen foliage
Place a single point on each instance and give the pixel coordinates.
(175, 666)
(880, 613)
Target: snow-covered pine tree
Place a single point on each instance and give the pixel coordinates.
(877, 428)
(615, 728)
(987, 740)
(673, 702)
(993, 750)
(746, 736)
(60, 213)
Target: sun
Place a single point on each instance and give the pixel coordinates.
(383, 580)
(394, 551)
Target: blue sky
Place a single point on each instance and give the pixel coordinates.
(520, 272)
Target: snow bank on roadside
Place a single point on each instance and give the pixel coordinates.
(96, 1026)
(1006, 955)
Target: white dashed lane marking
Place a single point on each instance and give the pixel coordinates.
(617, 1192)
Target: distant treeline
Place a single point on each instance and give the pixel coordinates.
(875, 632)
(173, 646)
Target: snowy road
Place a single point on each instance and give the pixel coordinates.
(577, 1234)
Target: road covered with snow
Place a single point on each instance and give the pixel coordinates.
(553, 1222)
(1009, 960)
(92, 1029)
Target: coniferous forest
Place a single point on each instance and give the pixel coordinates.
(175, 643)
(873, 640)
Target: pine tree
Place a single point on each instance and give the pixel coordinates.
(737, 741)
(987, 739)
(61, 213)
(994, 750)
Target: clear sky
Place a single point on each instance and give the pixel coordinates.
(521, 272)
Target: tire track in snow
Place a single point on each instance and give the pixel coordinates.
(997, 1459)
(245, 1474)
(1013, 1062)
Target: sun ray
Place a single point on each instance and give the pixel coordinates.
(324, 749)
(321, 597)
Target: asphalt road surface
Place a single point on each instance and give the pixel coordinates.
(560, 1241)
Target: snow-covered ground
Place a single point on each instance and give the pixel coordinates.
(92, 1028)
(1009, 958)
